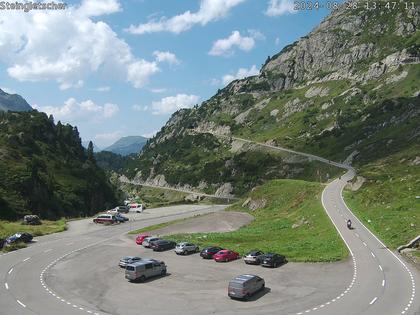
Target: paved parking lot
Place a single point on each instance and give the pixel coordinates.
(193, 285)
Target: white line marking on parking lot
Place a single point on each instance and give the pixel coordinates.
(373, 301)
(373, 255)
(6, 286)
(10, 271)
(21, 304)
(380, 267)
(26, 259)
(364, 244)
(383, 282)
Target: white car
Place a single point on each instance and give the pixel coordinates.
(148, 240)
(186, 248)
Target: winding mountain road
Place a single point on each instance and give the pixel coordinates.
(382, 283)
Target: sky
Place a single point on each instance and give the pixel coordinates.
(118, 68)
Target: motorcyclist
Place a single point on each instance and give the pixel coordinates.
(349, 223)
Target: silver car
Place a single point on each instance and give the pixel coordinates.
(186, 248)
(128, 260)
(244, 286)
(254, 257)
(148, 240)
(144, 269)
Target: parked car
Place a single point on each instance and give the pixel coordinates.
(161, 245)
(148, 240)
(19, 237)
(140, 238)
(122, 209)
(120, 218)
(128, 260)
(225, 255)
(186, 248)
(208, 252)
(244, 286)
(272, 260)
(31, 219)
(254, 257)
(105, 218)
(137, 207)
(144, 269)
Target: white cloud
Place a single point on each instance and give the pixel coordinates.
(87, 110)
(99, 7)
(166, 56)
(240, 74)
(109, 137)
(140, 71)
(279, 7)
(139, 108)
(158, 90)
(210, 10)
(67, 46)
(277, 41)
(171, 104)
(103, 89)
(7, 90)
(226, 46)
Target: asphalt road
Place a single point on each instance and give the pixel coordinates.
(75, 273)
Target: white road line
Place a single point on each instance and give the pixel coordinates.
(383, 282)
(364, 244)
(373, 301)
(26, 259)
(48, 250)
(373, 255)
(380, 267)
(356, 234)
(6, 286)
(10, 271)
(21, 304)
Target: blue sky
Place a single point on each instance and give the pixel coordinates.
(117, 68)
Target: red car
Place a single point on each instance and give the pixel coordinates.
(140, 238)
(225, 255)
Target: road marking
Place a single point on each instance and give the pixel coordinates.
(380, 267)
(48, 250)
(364, 244)
(26, 259)
(373, 301)
(6, 286)
(23, 305)
(356, 234)
(383, 282)
(373, 255)
(10, 271)
(70, 244)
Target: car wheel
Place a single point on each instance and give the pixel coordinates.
(163, 273)
(142, 278)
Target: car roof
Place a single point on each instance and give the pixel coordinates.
(243, 278)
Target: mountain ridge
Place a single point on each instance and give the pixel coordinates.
(13, 102)
(127, 145)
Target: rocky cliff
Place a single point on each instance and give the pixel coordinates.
(349, 86)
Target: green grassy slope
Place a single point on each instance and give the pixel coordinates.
(289, 202)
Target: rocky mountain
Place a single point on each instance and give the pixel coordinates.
(13, 102)
(127, 145)
(44, 170)
(349, 86)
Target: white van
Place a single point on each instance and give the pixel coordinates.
(144, 269)
(136, 207)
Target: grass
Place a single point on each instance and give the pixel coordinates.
(47, 227)
(387, 202)
(154, 197)
(289, 202)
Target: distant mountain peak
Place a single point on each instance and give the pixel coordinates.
(127, 145)
(13, 102)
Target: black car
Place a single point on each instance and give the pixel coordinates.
(161, 245)
(120, 218)
(19, 237)
(208, 252)
(272, 260)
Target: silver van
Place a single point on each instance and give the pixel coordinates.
(244, 286)
(144, 269)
